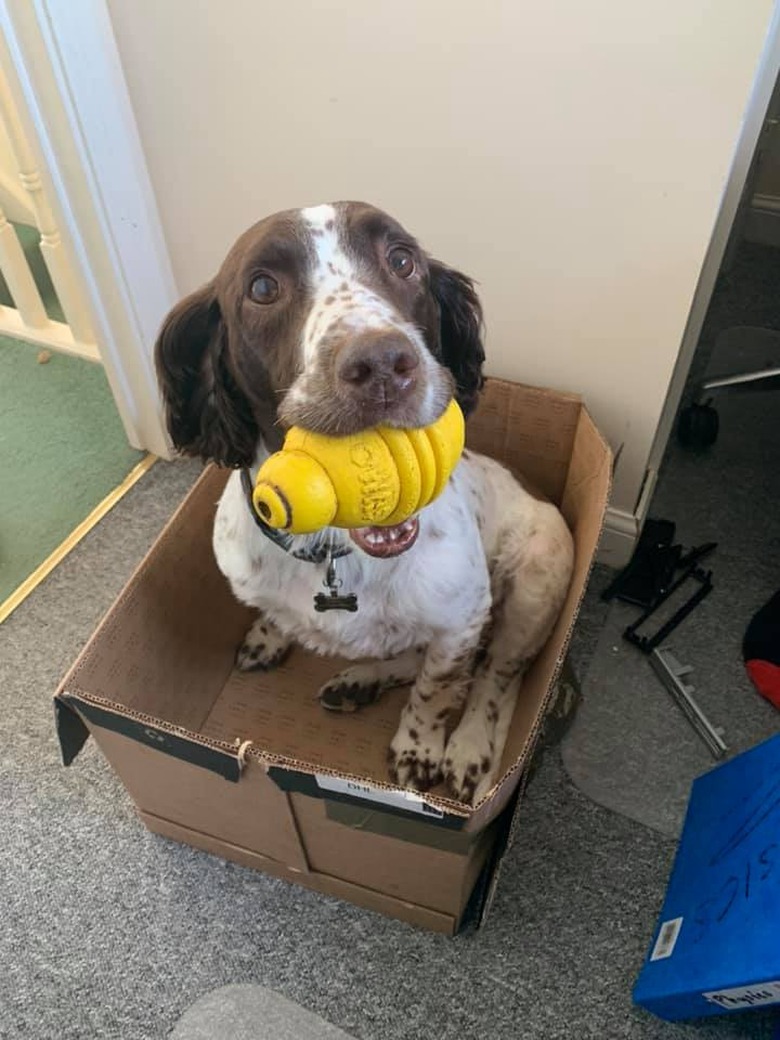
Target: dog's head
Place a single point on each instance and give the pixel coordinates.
(331, 318)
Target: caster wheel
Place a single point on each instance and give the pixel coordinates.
(698, 426)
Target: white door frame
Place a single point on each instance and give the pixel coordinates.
(69, 87)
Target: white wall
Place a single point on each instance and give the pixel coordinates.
(569, 155)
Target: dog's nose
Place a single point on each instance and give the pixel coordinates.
(380, 367)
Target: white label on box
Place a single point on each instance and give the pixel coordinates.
(746, 996)
(408, 800)
(667, 939)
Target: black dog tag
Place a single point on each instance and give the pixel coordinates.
(334, 600)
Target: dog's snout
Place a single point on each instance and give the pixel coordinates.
(379, 367)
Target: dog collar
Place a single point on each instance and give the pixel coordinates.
(318, 553)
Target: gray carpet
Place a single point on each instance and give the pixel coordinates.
(630, 748)
(107, 931)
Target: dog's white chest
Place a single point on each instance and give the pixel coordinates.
(402, 602)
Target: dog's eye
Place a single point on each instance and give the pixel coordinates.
(401, 262)
(264, 289)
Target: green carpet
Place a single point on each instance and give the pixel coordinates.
(62, 449)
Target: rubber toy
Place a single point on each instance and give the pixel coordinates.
(379, 477)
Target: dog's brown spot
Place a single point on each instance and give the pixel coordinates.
(329, 300)
(507, 674)
(436, 533)
(414, 735)
(473, 769)
(485, 763)
(458, 669)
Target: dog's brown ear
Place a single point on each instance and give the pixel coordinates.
(460, 331)
(206, 413)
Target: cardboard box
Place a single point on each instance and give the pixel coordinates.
(309, 798)
(716, 948)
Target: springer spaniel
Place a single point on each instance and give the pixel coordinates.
(333, 318)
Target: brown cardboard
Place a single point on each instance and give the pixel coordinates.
(419, 916)
(250, 766)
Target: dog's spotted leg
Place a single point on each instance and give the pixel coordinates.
(417, 748)
(264, 647)
(364, 683)
(473, 752)
(529, 590)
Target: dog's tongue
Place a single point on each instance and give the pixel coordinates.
(386, 541)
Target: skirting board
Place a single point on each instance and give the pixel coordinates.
(620, 534)
(621, 529)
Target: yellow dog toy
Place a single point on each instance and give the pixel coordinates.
(378, 477)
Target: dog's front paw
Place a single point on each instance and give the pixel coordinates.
(263, 648)
(351, 689)
(415, 756)
(469, 768)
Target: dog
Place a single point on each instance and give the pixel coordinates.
(334, 319)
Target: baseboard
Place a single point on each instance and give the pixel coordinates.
(618, 539)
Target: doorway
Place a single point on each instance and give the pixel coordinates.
(64, 448)
(718, 484)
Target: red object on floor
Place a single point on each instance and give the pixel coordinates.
(765, 676)
(761, 650)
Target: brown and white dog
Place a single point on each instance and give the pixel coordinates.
(333, 318)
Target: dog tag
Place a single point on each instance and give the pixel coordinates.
(334, 600)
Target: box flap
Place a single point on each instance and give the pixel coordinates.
(529, 430)
(72, 733)
(170, 740)
(418, 830)
(395, 801)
